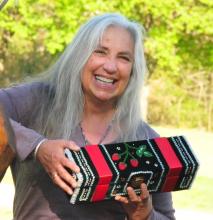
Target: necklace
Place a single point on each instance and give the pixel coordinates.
(86, 142)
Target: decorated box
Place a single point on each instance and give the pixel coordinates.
(164, 164)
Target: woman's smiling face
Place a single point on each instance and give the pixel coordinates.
(107, 72)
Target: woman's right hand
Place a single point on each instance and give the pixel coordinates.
(51, 156)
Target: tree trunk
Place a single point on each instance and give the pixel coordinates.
(7, 143)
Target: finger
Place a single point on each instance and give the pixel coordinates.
(121, 199)
(63, 185)
(71, 145)
(54, 175)
(144, 192)
(70, 165)
(132, 195)
(65, 175)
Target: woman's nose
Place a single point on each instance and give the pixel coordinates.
(110, 65)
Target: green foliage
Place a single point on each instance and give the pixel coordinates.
(178, 45)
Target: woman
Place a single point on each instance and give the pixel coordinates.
(90, 96)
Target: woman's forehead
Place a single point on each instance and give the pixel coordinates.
(118, 37)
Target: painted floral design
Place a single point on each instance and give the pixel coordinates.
(129, 155)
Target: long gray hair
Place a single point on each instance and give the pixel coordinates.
(62, 108)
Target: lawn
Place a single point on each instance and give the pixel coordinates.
(198, 198)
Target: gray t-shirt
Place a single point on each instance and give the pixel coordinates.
(36, 196)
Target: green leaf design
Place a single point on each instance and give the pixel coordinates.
(148, 154)
(140, 150)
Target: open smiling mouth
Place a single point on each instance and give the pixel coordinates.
(104, 80)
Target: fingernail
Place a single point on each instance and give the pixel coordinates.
(78, 184)
(70, 192)
(74, 185)
(77, 169)
(75, 146)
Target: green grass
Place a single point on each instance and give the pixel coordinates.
(198, 198)
(7, 177)
(6, 214)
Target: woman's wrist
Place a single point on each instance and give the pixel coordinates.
(37, 148)
(139, 217)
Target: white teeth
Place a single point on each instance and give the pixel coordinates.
(102, 79)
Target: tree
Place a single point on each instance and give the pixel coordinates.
(178, 47)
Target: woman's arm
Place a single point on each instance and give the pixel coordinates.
(163, 206)
(26, 140)
(18, 102)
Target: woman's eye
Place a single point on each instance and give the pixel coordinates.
(125, 58)
(99, 51)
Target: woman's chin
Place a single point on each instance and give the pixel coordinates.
(105, 99)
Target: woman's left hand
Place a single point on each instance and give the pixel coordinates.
(137, 207)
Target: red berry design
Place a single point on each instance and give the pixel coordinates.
(122, 166)
(115, 157)
(134, 162)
